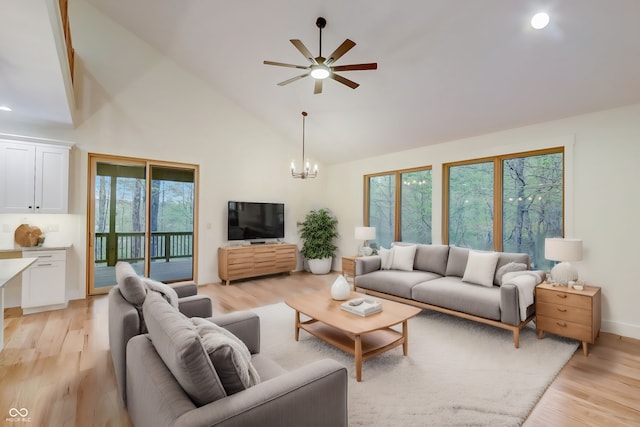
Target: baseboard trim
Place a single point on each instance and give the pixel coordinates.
(626, 330)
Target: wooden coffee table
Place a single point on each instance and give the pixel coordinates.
(362, 337)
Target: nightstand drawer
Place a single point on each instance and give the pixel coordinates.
(564, 298)
(564, 312)
(565, 328)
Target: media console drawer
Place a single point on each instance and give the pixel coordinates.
(241, 262)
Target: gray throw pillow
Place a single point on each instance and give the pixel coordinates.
(130, 284)
(179, 345)
(230, 356)
(457, 261)
(509, 268)
(163, 289)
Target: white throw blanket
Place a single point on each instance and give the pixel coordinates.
(526, 282)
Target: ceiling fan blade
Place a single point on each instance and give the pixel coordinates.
(341, 50)
(356, 67)
(281, 64)
(317, 88)
(344, 81)
(293, 79)
(303, 50)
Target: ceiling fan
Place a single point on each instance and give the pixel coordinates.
(320, 67)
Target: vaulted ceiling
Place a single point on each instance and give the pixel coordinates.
(446, 69)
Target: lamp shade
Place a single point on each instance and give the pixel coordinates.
(365, 233)
(559, 249)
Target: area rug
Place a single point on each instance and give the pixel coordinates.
(457, 373)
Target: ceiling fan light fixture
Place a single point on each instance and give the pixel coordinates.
(320, 71)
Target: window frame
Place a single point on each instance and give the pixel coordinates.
(498, 183)
(398, 196)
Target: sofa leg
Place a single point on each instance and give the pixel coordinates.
(516, 338)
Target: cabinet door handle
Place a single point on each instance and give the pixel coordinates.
(30, 207)
(44, 265)
(563, 296)
(564, 325)
(37, 207)
(45, 256)
(562, 310)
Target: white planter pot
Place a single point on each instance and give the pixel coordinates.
(320, 266)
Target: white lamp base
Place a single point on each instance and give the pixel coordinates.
(564, 272)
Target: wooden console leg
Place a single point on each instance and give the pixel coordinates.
(516, 338)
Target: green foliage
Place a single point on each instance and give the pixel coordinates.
(318, 231)
(414, 200)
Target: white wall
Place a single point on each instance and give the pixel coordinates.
(134, 102)
(601, 201)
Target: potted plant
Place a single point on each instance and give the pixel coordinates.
(317, 232)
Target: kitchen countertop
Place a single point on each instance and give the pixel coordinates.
(9, 268)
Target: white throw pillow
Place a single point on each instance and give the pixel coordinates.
(403, 257)
(481, 268)
(386, 257)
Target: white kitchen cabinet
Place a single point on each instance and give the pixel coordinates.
(34, 178)
(44, 283)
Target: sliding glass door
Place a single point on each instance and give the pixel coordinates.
(141, 212)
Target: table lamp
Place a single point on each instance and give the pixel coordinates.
(563, 250)
(364, 234)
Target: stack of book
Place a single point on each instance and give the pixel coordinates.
(362, 306)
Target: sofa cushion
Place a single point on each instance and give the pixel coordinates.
(178, 343)
(454, 294)
(130, 284)
(230, 356)
(507, 257)
(394, 282)
(481, 268)
(403, 257)
(432, 258)
(386, 257)
(457, 261)
(509, 268)
(167, 292)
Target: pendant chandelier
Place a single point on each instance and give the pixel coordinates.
(306, 171)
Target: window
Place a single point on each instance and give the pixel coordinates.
(471, 205)
(398, 205)
(507, 203)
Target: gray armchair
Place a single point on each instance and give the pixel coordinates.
(125, 314)
(168, 374)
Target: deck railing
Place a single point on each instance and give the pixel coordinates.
(109, 248)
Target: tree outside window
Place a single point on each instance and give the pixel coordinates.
(512, 213)
(399, 205)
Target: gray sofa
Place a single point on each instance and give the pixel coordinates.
(172, 379)
(437, 281)
(125, 314)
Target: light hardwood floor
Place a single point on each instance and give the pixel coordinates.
(57, 364)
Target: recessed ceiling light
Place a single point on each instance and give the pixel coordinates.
(4, 108)
(539, 20)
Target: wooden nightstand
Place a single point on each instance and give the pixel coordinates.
(349, 266)
(569, 312)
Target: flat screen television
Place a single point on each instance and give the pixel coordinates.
(255, 220)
